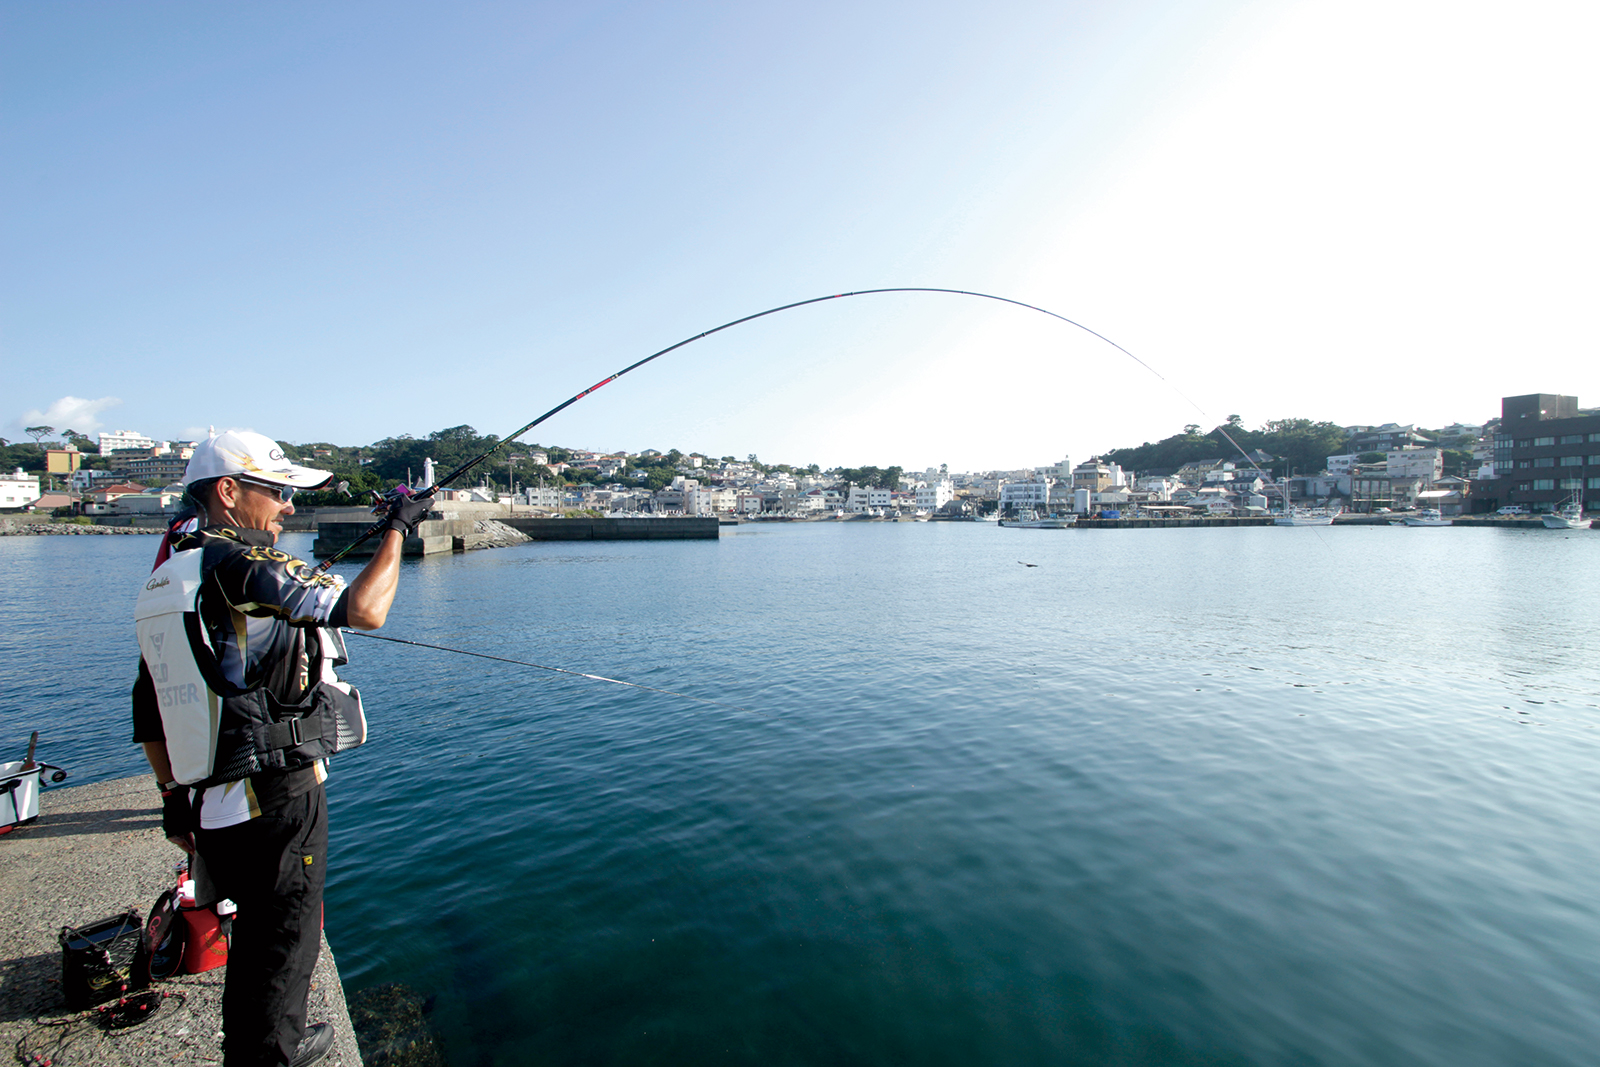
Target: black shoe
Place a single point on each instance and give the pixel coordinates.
(316, 1043)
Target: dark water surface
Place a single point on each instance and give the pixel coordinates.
(1245, 796)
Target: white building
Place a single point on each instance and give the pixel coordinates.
(111, 442)
(934, 496)
(708, 500)
(865, 497)
(536, 496)
(1341, 464)
(1424, 463)
(1057, 472)
(18, 490)
(84, 479)
(1159, 488)
(1018, 495)
(149, 502)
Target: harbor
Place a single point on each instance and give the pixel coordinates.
(980, 795)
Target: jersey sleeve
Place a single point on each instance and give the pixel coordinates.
(264, 581)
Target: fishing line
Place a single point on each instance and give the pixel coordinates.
(513, 435)
(542, 667)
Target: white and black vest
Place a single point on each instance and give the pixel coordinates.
(216, 731)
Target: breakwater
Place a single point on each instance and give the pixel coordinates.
(456, 534)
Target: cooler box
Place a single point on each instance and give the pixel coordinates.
(19, 794)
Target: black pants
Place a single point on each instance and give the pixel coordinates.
(273, 868)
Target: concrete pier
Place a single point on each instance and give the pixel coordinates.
(674, 528)
(451, 529)
(94, 852)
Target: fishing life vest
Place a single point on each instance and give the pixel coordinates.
(216, 731)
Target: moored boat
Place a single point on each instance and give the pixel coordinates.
(1028, 519)
(1304, 517)
(1568, 516)
(1428, 517)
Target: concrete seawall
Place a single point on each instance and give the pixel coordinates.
(452, 532)
(667, 529)
(1142, 523)
(94, 852)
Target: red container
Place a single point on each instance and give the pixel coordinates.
(207, 945)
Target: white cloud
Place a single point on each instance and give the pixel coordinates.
(68, 413)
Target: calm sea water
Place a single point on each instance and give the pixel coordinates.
(1247, 796)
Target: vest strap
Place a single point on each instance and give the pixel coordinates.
(294, 732)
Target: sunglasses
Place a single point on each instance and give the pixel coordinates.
(284, 493)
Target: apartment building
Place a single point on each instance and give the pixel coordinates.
(1545, 451)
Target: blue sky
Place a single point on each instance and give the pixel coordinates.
(345, 221)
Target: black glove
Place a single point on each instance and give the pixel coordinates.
(406, 512)
(177, 818)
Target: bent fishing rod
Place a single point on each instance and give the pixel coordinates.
(394, 495)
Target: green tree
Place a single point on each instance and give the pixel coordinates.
(29, 457)
(396, 458)
(1457, 462)
(36, 432)
(1294, 444)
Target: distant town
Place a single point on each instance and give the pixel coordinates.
(1542, 452)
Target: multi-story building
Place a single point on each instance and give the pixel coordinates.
(866, 497)
(1386, 438)
(1094, 475)
(18, 490)
(1424, 463)
(936, 495)
(1370, 488)
(160, 468)
(1545, 451)
(1014, 496)
(1057, 472)
(62, 460)
(1195, 472)
(124, 439)
(1341, 464)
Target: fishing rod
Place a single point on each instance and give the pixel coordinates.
(542, 667)
(387, 500)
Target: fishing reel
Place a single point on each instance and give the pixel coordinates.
(385, 502)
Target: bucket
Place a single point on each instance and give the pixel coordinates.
(19, 794)
(206, 946)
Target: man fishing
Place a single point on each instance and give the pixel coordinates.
(238, 707)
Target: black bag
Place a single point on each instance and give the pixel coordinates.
(102, 961)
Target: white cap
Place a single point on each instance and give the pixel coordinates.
(250, 455)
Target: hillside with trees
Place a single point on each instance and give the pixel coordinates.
(1300, 446)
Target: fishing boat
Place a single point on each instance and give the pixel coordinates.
(1569, 516)
(1028, 519)
(1428, 517)
(1304, 517)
